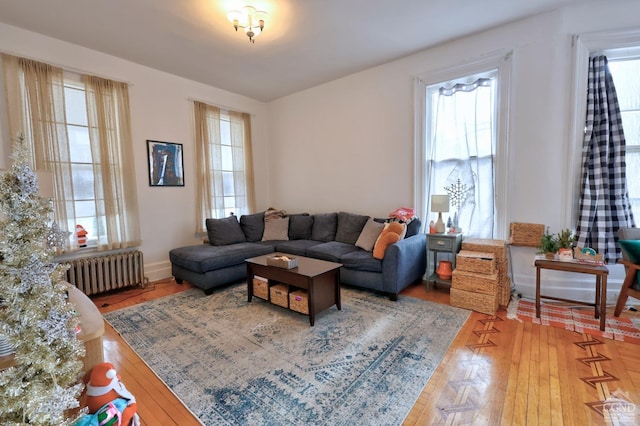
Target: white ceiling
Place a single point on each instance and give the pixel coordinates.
(305, 42)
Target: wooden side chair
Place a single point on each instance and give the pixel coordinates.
(631, 285)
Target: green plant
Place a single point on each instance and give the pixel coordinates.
(548, 243)
(565, 238)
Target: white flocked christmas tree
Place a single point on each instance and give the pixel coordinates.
(35, 316)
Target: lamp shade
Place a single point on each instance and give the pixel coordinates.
(440, 203)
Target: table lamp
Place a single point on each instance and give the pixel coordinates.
(440, 204)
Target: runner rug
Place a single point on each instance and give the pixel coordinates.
(580, 319)
(233, 362)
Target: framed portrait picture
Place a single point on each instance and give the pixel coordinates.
(166, 167)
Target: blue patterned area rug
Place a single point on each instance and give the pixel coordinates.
(238, 363)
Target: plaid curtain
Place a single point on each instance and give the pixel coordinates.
(604, 201)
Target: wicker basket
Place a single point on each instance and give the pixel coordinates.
(280, 295)
(299, 301)
(497, 247)
(261, 287)
(285, 262)
(484, 303)
(525, 234)
(504, 293)
(476, 261)
(474, 282)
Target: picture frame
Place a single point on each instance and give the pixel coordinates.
(166, 163)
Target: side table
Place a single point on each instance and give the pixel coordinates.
(441, 243)
(600, 271)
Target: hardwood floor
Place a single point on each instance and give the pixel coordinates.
(497, 371)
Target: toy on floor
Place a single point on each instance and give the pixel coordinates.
(108, 400)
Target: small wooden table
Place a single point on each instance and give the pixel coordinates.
(320, 278)
(600, 271)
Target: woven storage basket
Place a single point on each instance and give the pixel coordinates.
(497, 247)
(526, 234)
(299, 301)
(504, 293)
(474, 282)
(261, 288)
(476, 261)
(484, 303)
(280, 295)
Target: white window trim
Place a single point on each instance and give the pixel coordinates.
(500, 60)
(616, 45)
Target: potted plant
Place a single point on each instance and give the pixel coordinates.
(548, 244)
(565, 240)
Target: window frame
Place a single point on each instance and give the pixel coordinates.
(500, 61)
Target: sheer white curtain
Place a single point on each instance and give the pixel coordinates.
(114, 168)
(461, 152)
(224, 164)
(35, 95)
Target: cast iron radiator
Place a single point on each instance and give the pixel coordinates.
(100, 273)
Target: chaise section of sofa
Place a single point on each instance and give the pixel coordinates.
(341, 237)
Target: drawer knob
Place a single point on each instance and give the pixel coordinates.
(440, 243)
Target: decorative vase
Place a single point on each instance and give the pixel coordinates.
(444, 270)
(565, 255)
(549, 255)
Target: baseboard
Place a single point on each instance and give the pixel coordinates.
(158, 270)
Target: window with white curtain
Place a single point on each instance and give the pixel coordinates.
(460, 144)
(81, 162)
(225, 167)
(625, 72)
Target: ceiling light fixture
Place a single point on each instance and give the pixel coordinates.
(249, 19)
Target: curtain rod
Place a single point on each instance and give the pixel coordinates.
(67, 68)
(234, 109)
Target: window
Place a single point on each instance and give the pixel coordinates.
(461, 144)
(79, 129)
(625, 77)
(81, 163)
(225, 183)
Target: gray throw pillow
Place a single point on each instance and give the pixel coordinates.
(369, 234)
(276, 230)
(349, 227)
(300, 226)
(253, 226)
(222, 232)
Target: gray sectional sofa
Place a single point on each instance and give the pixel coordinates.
(338, 237)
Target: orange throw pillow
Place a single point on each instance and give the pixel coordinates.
(390, 234)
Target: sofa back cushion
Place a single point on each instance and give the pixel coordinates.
(324, 227)
(349, 227)
(252, 226)
(300, 226)
(222, 232)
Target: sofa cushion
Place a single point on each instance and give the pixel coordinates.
(276, 229)
(349, 227)
(300, 226)
(298, 247)
(204, 258)
(361, 260)
(222, 232)
(369, 234)
(252, 226)
(413, 227)
(324, 227)
(331, 251)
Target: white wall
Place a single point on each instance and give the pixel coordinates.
(160, 110)
(348, 144)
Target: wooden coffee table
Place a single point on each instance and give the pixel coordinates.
(320, 278)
